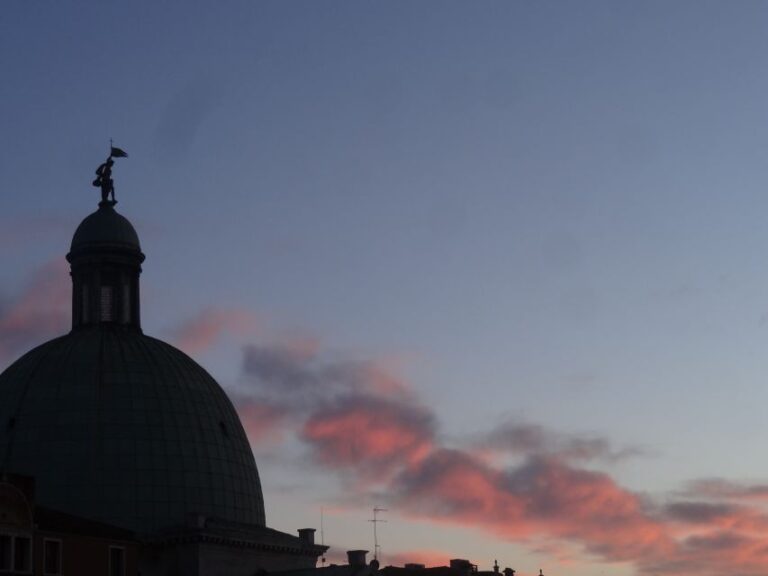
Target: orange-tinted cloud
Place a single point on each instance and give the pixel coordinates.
(41, 311)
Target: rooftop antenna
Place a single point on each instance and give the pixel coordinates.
(322, 533)
(375, 521)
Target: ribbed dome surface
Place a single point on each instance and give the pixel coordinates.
(126, 429)
(105, 228)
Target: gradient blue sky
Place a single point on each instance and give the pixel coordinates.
(539, 212)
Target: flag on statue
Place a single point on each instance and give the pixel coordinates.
(118, 153)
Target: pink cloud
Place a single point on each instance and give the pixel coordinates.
(540, 497)
(369, 434)
(41, 311)
(546, 497)
(199, 333)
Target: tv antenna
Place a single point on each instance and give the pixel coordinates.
(376, 520)
(322, 533)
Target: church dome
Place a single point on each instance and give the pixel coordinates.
(105, 228)
(117, 426)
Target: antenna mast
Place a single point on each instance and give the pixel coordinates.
(375, 521)
(322, 533)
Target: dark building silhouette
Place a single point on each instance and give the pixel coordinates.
(358, 566)
(122, 431)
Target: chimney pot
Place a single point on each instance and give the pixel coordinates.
(356, 557)
(307, 535)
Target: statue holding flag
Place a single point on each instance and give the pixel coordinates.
(104, 175)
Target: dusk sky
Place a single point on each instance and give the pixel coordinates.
(498, 267)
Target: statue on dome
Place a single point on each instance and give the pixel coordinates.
(104, 175)
(104, 180)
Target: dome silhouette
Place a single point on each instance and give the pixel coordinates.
(105, 228)
(115, 425)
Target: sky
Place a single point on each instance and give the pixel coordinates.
(497, 267)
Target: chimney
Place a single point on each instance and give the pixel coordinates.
(307, 536)
(356, 558)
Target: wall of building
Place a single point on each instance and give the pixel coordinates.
(209, 559)
(218, 560)
(83, 555)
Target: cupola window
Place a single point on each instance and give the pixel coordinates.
(106, 304)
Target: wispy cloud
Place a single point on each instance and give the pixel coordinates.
(299, 369)
(720, 488)
(202, 331)
(40, 311)
(523, 438)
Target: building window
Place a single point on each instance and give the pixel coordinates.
(105, 304)
(52, 557)
(116, 561)
(5, 552)
(15, 553)
(22, 554)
